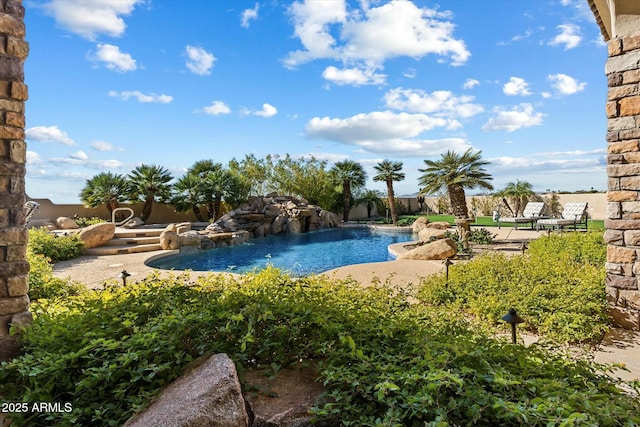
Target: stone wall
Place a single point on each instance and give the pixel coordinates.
(623, 198)
(14, 302)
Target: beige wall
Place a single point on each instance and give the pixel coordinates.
(597, 205)
(160, 214)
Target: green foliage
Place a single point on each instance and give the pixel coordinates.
(85, 222)
(587, 247)
(42, 283)
(556, 287)
(53, 246)
(481, 236)
(383, 361)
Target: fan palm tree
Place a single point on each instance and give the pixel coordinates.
(207, 170)
(149, 183)
(455, 172)
(351, 176)
(519, 193)
(187, 195)
(371, 198)
(105, 188)
(389, 172)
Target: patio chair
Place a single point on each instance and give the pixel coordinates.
(531, 213)
(574, 213)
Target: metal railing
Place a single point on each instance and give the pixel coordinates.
(113, 215)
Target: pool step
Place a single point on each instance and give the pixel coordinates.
(127, 241)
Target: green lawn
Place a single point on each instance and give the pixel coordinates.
(487, 221)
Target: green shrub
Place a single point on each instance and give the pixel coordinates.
(383, 361)
(55, 247)
(84, 221)
(42, 283)
(557, 287)
(481, 236)
(586, 247)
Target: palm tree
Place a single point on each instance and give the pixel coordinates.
(371, 198)
(207, 171)
(149, 183)
(350, 176)
(187, 196)
(519, 193)
(388, 172)
(105, 188)
(454, 173)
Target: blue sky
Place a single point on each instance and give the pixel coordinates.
(116, 83)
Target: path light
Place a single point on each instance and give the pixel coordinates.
(523, 247)
(124, 276)
(513, 318)
(447, 262)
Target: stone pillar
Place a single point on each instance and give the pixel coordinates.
(14, 301)
(623, 213)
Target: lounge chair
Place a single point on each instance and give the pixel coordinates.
(574, 213)
(531, 213)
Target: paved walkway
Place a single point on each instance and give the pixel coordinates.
(619, 346)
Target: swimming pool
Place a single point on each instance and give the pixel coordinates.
(300, 255)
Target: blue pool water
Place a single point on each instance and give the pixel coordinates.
(300, 255)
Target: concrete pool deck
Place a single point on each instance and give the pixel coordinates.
(619, 346)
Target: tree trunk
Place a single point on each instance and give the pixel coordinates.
(392, 202)
(346, 199)
(458, 201)
(146, 209)
(197, 213)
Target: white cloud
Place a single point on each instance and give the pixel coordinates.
(470, 84)
(216, 108)
(385, 132)
(367, 37)
(249, 15)
(566, 85)
(441, 103)
(89, 18)
(353, 76)
(411, 73)
(104, 146)
(113, 58)
(79, 155)
(521, 116)
(77, 160)
(267, 111)
(569, 36)
(48, 134)
(199, 60)
(33, 158)
(516, 86)
(141, 97)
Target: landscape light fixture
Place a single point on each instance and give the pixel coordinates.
(124, 276)
(523, 247)
(447, 262)
(512, 318)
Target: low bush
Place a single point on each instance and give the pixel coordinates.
(42, 283)
(53, 246)
(557, 287)
(84, 221)
(383, 361)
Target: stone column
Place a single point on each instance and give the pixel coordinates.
(14, 301)
(623, 215)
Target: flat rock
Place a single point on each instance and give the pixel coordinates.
(438, 249)
(207, 395)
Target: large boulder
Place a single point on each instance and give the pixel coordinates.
(207, 395)
(428, 234)
(438, 249)
(169, 240)
(419, 224)
(190, 238)
(441, 225)
(65, 223)
(97, 234)
(294, 226)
